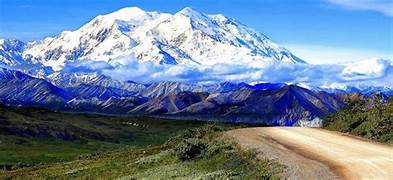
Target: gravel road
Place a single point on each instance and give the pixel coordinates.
(311, 153)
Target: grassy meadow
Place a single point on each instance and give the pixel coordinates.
(36, 143)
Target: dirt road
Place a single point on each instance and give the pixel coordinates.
(312, 153)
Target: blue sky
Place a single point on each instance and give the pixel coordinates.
(319, 31)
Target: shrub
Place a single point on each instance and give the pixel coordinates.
(218, 147)
(190, 148)
(372, 119)
(199, 133)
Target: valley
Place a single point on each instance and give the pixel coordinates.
(32, 136)
(45, 144)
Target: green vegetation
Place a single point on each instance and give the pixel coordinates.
(45, 144)
(209, 156)
(367, 117)
(35, 136)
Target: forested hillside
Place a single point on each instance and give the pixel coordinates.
(371, 118)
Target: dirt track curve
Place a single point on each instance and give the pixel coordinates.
(311, 153)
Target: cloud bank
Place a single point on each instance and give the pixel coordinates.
(321, 54)
(382, 6)
(373, 72)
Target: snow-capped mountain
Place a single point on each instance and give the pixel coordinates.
(110, 50)
(11, 52)
(186, 37)
(366, 90)
(66, 80)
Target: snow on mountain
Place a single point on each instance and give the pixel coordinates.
(168, 87)
(11, 52)
(104, 38)
(366, 90)
(186, 37)
(67, 80)
(112, 105)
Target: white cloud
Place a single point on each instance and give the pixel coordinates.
(319, 54)
(382, 6)
(368, 69)
(371, 72)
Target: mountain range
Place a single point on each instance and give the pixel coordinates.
(278, 104)
(74, 70)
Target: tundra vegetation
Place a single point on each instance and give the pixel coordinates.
(45, 144)
(371, 118)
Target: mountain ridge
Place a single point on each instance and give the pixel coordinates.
(231, 102)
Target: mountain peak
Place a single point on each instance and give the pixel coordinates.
(189, 12)
(126, 14)
(128, 11)
(219, 17)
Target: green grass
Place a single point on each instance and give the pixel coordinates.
(221, 159)
(24, 151)
(50, 145)
(17, 151)
(35, 136)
